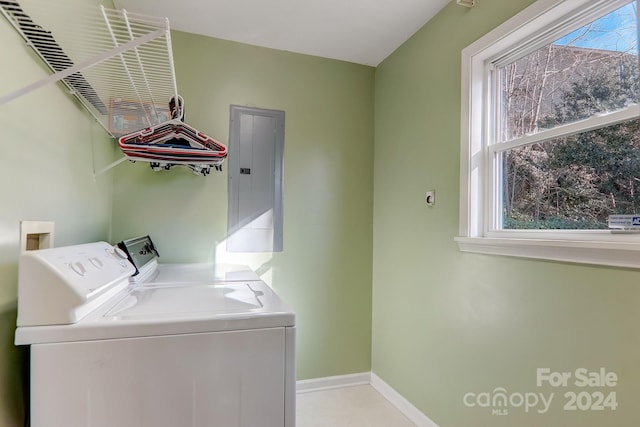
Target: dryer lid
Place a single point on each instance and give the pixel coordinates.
(179, 301)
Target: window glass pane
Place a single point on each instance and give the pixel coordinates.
(573, 182)
(589, 71)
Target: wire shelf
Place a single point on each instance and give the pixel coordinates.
(118, 64)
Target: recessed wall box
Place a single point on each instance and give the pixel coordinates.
(36, 235)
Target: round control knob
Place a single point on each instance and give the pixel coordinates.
(96, 262)
(78, 268)
(120, 253)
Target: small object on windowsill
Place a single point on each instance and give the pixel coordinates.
(624, 223)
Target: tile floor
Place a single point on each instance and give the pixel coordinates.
(356, 406)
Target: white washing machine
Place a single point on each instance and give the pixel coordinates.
(106, 351)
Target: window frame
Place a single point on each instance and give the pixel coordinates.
(540, 23)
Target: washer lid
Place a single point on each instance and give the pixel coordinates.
(146, 311)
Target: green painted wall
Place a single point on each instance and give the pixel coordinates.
(48, 148)
(447, 323)
(444, 323)
(324, 272)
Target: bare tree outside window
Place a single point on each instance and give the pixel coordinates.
(577, 180)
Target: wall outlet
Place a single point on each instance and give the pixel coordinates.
(430, 197)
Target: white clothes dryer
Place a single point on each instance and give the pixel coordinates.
(107, 352)
(142, 253)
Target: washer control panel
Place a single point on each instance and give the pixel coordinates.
(61, 285)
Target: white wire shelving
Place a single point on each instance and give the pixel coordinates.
(118, 64)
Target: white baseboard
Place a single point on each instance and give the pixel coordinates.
(395, 398)
(403, 405)
(338, 381)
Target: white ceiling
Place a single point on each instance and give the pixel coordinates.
(359, 31)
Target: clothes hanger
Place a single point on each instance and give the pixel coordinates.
(174, 143)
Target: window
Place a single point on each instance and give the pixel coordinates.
(551, 135)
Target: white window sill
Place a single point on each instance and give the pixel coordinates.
(616, 254)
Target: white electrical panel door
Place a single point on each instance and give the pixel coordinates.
(225, 379)
(255, 180)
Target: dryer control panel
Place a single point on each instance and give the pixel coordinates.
(62, 285)
(140, 251)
